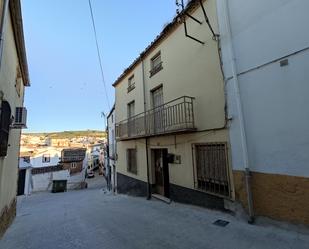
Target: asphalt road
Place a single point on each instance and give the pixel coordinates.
(93, 218)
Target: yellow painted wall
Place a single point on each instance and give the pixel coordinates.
(122, 97)
(140, 147)
(179, 174)
(191, 69)
(9, 164)
(183, 174)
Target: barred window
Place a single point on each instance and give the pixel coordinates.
(131, 161)
(131, 83)
(212, 168)
(155, 64)
(5, 122)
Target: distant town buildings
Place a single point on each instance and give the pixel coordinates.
(29, 140)
(45, 157)
(54, 158)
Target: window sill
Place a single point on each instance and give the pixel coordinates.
(130, 88)
(155, 70)
(131, 172)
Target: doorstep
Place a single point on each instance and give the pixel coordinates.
(161, 198)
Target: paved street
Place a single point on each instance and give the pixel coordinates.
(93, 218)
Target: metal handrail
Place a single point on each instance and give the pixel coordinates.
(157, 107)
(169, 117)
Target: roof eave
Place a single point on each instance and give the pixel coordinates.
(17, 22)
(169, 28)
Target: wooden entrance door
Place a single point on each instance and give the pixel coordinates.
(161, 172)
(21, 182)
(131, 121)
(157, 102)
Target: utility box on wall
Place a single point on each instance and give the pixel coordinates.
(174, 159)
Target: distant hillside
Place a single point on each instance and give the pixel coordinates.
(70, 134)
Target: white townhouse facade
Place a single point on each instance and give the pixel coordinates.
(46, 157)
(265, 54)
(171, 127)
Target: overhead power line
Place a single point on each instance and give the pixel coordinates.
(99, 53)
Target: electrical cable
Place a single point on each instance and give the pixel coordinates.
(99, 53)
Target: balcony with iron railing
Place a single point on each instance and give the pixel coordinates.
(175, 116)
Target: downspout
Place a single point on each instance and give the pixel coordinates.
(2, 27)
(146, 144)
(115, 152)
(240, 113)
(108, 157)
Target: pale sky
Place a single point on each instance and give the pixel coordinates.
(66, 90)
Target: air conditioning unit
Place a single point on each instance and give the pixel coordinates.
(20, 120)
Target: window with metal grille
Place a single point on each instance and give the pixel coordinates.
(131, 113)
(131, 161)
(131, 83)
(131, 109)
(5, 122)
(155, 64)
(212, 168)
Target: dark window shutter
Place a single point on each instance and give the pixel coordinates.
(5, 121)
(131, 161)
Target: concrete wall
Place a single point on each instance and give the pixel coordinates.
(274, 100)
(8, 73)
(44, 182)
(273, 97)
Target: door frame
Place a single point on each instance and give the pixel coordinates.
(158, 112)
(166, 181)
(21, 181)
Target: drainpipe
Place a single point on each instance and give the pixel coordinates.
(108, 162)
(145, 108)
(115, 152)
(2, 27)
(240, 113)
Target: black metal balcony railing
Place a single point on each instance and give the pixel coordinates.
(171, 117)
